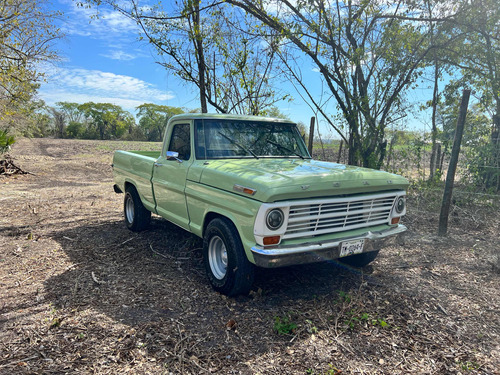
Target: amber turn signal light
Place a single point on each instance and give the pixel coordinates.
(395, 220)
(274, 240)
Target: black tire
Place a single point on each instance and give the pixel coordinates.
(137, 217)
(359, 260)
(226, 263)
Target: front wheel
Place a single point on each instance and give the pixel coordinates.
(359, 260)
(137, 217)
(226, 264)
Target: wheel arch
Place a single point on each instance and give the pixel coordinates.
(211, 215)
(127, 184)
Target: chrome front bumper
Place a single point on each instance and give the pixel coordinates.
(312, 252)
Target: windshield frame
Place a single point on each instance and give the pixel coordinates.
(303, 153)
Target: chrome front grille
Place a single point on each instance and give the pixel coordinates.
(339, 214)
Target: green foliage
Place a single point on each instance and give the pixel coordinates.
(40, 126)
(481, 169)
(108, 121)
(344, 297)
(153, 119)
(332, 370)
(357, 319)
(75, 129)
(26, 38)
(91, 121)
(284, 325)
(6, 141)
(369, 54)
(311, 328)
(468, 365)
(407, 155)
(480, 164)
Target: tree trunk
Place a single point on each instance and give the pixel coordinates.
(434, 160)
(450, 177)
(495, 134)
(198, 40)
(311, 136)
(340, 150)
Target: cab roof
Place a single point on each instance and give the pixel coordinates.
(224, 116)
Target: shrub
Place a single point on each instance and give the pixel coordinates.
(5, 141)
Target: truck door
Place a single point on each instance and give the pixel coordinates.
(169, 176)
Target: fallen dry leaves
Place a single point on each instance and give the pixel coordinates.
(81, 294)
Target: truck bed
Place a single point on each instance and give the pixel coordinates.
(136, 167)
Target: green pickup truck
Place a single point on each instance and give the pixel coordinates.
(248, 186)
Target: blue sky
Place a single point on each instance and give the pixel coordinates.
(103, 61)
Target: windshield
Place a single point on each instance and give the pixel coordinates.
(218, 138)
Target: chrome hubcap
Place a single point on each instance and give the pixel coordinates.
(129, 209)
(217, 257)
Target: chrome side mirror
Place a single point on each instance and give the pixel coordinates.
(173, 155)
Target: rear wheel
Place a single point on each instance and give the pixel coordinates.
(359, 260)
(137, 217)
(226, 264)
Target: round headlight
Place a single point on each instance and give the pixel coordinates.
(274, 219)
(400, 205)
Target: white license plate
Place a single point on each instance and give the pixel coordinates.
(351, 247)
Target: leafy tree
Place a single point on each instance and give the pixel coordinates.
(42, 124)
(106, 120)
(209, 45)
(153, 119)
(478, 58)
(368, 53)
(26, 38)
(477, 148)
(59, 120)
(71, 111)
(75, 129)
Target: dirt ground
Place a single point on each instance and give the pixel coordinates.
(82, 294)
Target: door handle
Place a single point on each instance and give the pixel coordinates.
(158, 164)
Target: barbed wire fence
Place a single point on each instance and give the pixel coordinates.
(472, 205)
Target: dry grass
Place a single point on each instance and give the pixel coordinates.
(82, 294)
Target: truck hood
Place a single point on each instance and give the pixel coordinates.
(284, 179)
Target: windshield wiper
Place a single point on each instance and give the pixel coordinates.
(240, 146)
(284, 148)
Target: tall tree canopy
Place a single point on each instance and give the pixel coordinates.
(209, 46)
(153, 119)
(368, 53)
(26, 35)
(478, 58)
(108, 121)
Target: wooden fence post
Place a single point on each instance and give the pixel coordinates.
(311, 136)
(450, 177)
(340, 150)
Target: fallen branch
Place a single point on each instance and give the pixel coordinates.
(8, 168)
(159, 254)
(100, 282)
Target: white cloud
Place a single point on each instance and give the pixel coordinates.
(120, 55)
(82, 85)
(97, 22)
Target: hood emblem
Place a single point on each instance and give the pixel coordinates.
(336, 184)
(305, 187)
(366, 183)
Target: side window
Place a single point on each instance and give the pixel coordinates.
(180, 141)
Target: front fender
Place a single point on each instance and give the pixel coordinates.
(205, 202)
